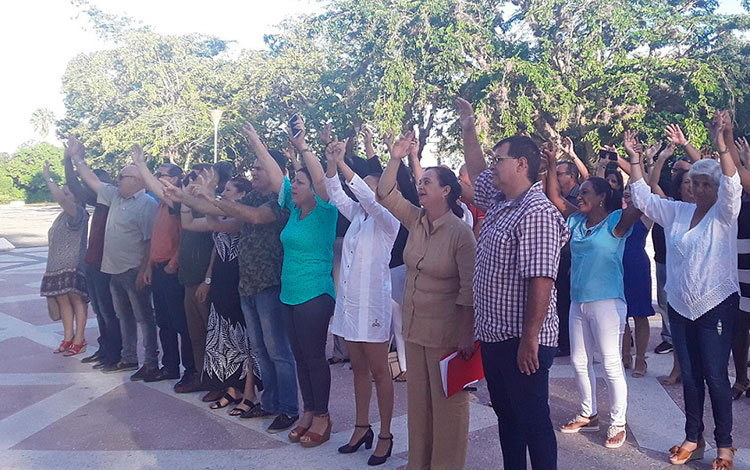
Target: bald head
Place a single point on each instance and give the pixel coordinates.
(129, 181)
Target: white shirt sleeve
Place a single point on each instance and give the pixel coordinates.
(661, 211)
(729, 199)
(336, 196)
(383, 218)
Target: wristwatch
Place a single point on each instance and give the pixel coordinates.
(207, 281)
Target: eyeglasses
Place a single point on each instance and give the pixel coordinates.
(162, 175)
(122, 177)
(494, 160)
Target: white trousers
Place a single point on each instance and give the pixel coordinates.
(599, 325)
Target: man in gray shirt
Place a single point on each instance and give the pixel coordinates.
(127, 241)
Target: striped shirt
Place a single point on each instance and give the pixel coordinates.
(743, 253)
(519, 240)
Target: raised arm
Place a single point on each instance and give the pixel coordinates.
(569, 150)
(236, 210)
(475, 163)
(82, 193)
(191, 223)
(722, 121)
(655, 175)
(88, 176)
(291, 156)
(346, 205)
(676, 137)
(414, 163)
(630, 141)
(67, 203)
(743, 162)
(311, 161)
(552, 188)
(265, 159)
(153, 184)
(390, 197)
(228, 224)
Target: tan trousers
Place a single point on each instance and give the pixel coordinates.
(438, 426)
(196, 314)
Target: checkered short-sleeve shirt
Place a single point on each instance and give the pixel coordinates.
(520, 239)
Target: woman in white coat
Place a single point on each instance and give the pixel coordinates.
(363, 300)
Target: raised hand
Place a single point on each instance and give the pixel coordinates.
(172, 192)
(137, 155)
(325, 134)
(388, 140)
(667, 152)
(400, 148)
(549, 151)
(721, 121)
(414, 149)
(208, 178)
(652, 150)
(74, 150)
(465, 112)
(249, 132)
(630, 142)
(335, 151)
(567, 146)
(289, 152)
(675, 136)
(744, 150)
(368, 135)
(299, 131)
(45, 171)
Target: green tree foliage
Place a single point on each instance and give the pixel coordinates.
(21, 175)
(584, 68)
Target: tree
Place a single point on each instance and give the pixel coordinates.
(22, 173)
(41, 120)
(590, 68)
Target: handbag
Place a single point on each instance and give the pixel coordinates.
(393, 363)
(53, 309)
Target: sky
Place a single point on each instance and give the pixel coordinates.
(39, 37)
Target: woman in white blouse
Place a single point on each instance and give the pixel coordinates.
(702, 288)
(363, 299)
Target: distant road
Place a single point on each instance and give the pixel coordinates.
(28, 225)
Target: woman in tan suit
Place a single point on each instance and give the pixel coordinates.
(437, 310)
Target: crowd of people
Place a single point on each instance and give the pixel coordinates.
(522, 257)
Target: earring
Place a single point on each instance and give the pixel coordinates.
(601, 203)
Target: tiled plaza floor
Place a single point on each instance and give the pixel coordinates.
(56, 413)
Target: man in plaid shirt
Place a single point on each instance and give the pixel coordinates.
(518, 253)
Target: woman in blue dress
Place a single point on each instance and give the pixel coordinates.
(637, 280)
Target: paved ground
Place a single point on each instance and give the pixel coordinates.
(57, 413)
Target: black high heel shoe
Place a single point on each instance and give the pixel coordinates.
(376, 460)
(366, 440)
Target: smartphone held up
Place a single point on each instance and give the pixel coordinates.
(296, 124)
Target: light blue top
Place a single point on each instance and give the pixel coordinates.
(596, 269)
(308, 250)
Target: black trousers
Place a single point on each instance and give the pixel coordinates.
(521, 404)
(307, 327)
(169, 308)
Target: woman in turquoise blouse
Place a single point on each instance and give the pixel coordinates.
(599, 228)
(307, 292)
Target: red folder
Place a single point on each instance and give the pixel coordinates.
(457, 373)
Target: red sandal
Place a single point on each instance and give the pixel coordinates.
(313, 439)
(64, 345)
(76, 349)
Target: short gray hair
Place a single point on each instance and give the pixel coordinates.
(706, 167)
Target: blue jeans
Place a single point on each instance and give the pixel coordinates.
(702, 347)
(521, 403)
(133, 307)
(269, 342)
(110, 341)
(169, 309)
